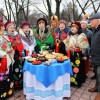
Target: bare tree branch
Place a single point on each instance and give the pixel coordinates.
(11, 10)
(3, 15)
(45, 6)
(6, 8)
(81, 6)
(93, 5)
(98, 7)
(40, 10)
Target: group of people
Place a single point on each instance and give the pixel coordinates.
(73, 41)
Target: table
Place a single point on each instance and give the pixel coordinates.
(47, 83)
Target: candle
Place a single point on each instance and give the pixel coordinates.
(27, 53)
(68, 53)
(57, 48)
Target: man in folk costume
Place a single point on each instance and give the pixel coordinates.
(61, 34)
(43, 36)
(27, 38)
(17, 45)
(6, 61)
(95, 51)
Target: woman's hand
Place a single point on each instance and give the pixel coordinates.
(84, 58)
(57, 41)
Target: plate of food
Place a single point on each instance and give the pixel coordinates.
(37, 62)
(50, 56)
(42, 59)
(31, 59)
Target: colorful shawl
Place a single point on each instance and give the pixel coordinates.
(46, 39)
(28, 41)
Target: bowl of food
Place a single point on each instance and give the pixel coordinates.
(37, 62)
(42, 59)
(34, 55)
(60, 59)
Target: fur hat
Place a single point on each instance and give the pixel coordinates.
(83, 21)
(41, 20)
(54, 18)
(25, 24)
(7, 24)
(77, 24)
(62, 21)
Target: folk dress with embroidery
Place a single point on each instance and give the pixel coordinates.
(78, 45)
(6, 69)
(18, 64)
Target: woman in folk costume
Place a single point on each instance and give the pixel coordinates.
(43, 36)
(17, 45)
(6, 61)
(77, 43)
(61, 34)
(27, 38)
(54, 25)
(89, 34)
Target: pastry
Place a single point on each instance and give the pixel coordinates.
(50, 56)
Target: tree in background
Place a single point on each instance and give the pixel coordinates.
(19, 10)
(70, 12)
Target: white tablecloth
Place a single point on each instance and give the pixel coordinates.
(33, 89)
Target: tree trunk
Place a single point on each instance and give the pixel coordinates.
(27, 10)
(7, 9)
(49, 9)
(58, 2)
(58, 10)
